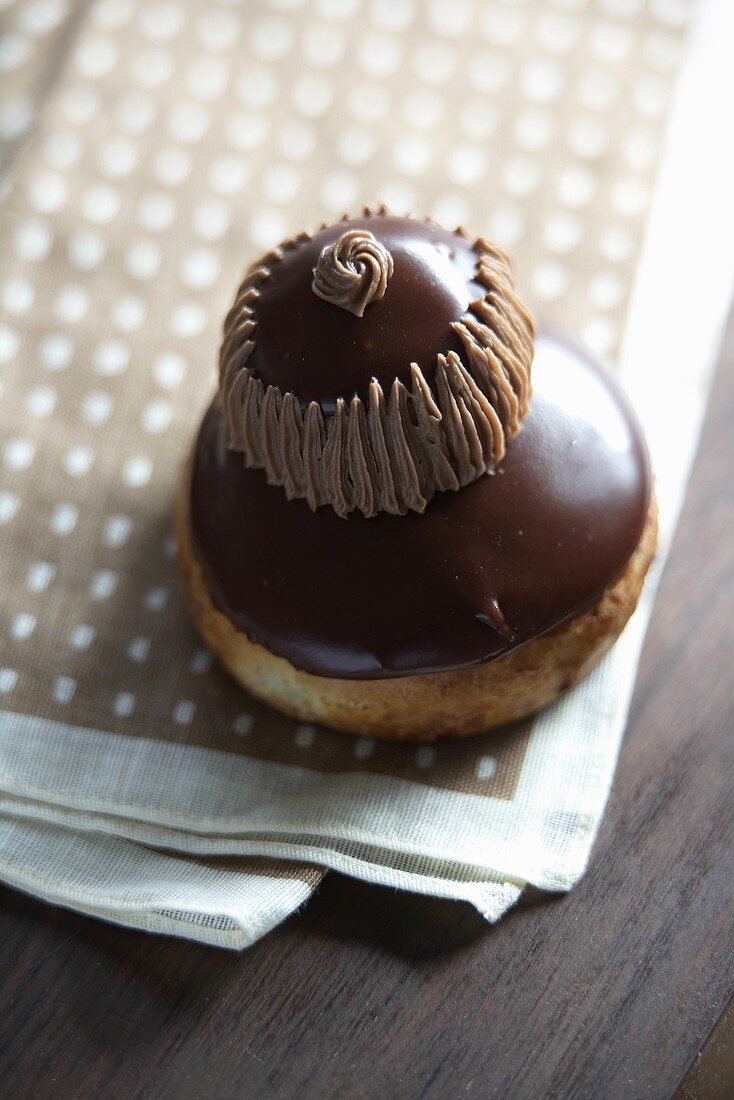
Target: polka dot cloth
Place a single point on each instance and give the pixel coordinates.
(150, 151)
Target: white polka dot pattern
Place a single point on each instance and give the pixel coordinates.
(182, 139)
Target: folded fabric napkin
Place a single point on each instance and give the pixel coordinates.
(150, 154)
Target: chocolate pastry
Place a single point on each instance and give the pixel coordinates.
(405, 514)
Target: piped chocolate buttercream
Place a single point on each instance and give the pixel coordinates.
(353, 271)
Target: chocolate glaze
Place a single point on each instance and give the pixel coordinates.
(322, 352)
(481, 572)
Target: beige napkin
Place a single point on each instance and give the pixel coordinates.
(152, 151)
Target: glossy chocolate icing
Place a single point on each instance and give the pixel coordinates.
(321, 352)
(482, 571)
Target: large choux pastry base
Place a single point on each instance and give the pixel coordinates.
(431, 705)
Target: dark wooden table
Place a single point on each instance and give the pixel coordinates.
(611, 992)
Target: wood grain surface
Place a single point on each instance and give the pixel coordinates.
(610, 992)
